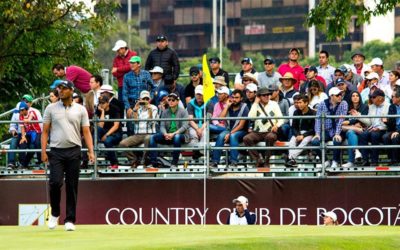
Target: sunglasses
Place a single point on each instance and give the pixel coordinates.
(194, 74)
(146, 99)
(338, 95)
(171, 99)
(268, 63)
(266, 94)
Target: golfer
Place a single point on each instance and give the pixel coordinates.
(64, 121)
(330, 218)
(241, 216)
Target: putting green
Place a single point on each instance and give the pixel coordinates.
(200, 237)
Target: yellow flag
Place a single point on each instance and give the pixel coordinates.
(208, 86)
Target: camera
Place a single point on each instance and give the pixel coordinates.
(142, 103)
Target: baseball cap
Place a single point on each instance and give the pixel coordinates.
(343, 69)
(273, 87)
(173, 95)
(28, 98)
(157, 69)
(66, 84)
(106, 88)
(135, 59)
(23, 105)
(334, 91)
(119, 44)
(330, 214)
(198, 90)
(295, 49)
(247, 60)
(16, 110)
(220, 80)
(241, 199)
(75, 95)
(55, 83)
(161, 38)
(214, 59)
(372, 75)
(223, 90)
(378, 92)
(339, 81)
(376, 61)
(252, 87)
(194, 70)
(144, 94)
(357, 53)
(269, 60)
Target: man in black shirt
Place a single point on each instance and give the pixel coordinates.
(109, 132)
(195, 80)
(215, 69)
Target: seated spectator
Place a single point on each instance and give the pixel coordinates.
(392, 136)
(218, 82)
(195, 109)
(353, 127)
(333, 126)
(218, 126)
(235, 131)
(352, 78)
(162, 102)
(248, 78)
(284, 131)
(109, 132)
(107, 90)
(394, 83)
(30, 133)
(364, 84)
(53, 96)
(311, 74)
(77, 98)
(247, 67)
(346, 92)
(303, 129)
(371, 82)
(195, 80)
(175, 88)
(241, 215)
(376, 127)
(316, 95)
(171, 132)
(287, 88)
(251, 94)
(266, 125)
(293, 108)
(142, 129)
(15, 132)
(269, 76)
(157, 77)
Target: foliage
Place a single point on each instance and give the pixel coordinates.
(36, 34)
(333, 17)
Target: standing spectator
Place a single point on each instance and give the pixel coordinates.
(377, 67)
(392, 136)
(96, 81)
(376, 127)
(316, 94)
(195, 80)
(53, 96)
(235, 131)
(266, 114)
(135, 82)
(353, 127)
(15, 131)
(287, 87)
(121, 64)
(218, 126)
(109, 132)
(324, 69)
(294, 68)
(251, 94)
(65, 151)
(269, 76)
(241, 215)
(79, 76)
(303, 129)
(143, 129)
(247, 67)
(359, 67)
(216, 70)
(171, 132)
(333, 126)
(164, 57)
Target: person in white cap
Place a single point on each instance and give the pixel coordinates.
(241, 215)
(121, 64)
(218, 81)
(377, 67)
(333, 126)
(251, 94)
(157, 76)
(108, 91)
(247, 67)
(142, 129)
(330, 218)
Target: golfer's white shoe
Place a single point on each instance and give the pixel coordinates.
(69, 226)
(53, 221)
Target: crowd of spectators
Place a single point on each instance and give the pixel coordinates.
(154, 91)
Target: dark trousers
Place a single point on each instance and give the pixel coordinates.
(375, 137)
(64, 161)
(158, 138)
(393, 153)
(33, 142)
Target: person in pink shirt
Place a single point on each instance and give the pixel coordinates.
(121, 64)
(293, 67)
(79, 76)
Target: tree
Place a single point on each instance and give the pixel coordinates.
(36, 34)
(333, 17)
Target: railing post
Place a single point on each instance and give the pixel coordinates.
(43, 102)
(207, 146)
(323, 144)
(95, 147)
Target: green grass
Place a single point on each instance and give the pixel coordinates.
(199, 237)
